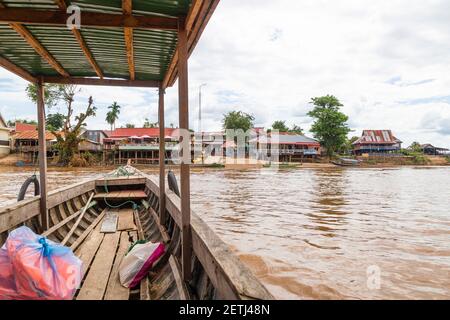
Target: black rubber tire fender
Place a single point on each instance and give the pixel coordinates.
(26, 184)
(173, 184)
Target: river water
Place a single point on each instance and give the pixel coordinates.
(332, 233)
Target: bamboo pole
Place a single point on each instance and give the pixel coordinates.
(162, 158)
(42, 155)
(183, 98)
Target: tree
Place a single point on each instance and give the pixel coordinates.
(148, 124)
(55, 121)
(330, 126)
(348, 145)
(280, 126)
(416, 147)
(52, 93)
(113, 115)
(130, 126)
(11, 123)
(238, 120)
(68, 138)
(296, 129)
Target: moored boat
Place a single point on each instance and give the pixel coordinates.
(344, 162)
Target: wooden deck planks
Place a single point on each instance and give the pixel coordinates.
(126, 220)
(87, 251)
(96, 281)
(123, 194)
(109, 224)
(114, 290)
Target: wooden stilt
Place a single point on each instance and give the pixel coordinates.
(162, 160)
(42, 155)
(183, 110)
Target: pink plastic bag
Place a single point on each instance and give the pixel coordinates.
(137, 263)
(35, 268)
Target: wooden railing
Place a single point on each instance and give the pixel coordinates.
(21, 212)
(231, 278)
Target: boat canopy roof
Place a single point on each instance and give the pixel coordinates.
(128, 42)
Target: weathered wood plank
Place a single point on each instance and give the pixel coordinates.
(72, 230)
(126, 220)
(109, 224)
(63, 222)
(119, 182)
(114, 290)
(86, 232)
(87, 252)
(181, 285)
(94, 285)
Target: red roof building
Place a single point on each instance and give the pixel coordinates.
(139, 132)
(377, 142)
(20, 127)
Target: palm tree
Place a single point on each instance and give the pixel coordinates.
(110, 119)
(113, 115)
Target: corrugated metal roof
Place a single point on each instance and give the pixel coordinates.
(153, 49)
(139, 132)
(377, 137)
(288, 139)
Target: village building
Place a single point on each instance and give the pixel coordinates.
(140, 145)
(431, 150)
(377, 143)
(26, 144)
(4, 138)
(289, 147)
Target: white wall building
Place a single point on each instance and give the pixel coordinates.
(4, 138)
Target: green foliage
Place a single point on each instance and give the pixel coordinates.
(11, 123)
(55, 121)
(280, 126)
(113, 114)
(296, 129)
(330, 126)
(416, 147)
(130, 126)
(52, 93)
(148, 124)
(69, 137)
(238, 120)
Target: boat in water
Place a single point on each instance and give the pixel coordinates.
(77, 214)
(345, 162)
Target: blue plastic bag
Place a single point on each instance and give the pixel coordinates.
(35, 268)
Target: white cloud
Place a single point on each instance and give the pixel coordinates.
(387, 61)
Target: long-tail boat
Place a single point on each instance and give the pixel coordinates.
(127, 43)
(77, 214)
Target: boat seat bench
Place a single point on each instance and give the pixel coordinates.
(102, 254)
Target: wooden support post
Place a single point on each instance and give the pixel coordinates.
(162, 158)
(42, 155)
(183, 109)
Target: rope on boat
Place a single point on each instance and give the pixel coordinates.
(122, 171)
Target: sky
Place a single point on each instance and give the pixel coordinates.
(387, 61)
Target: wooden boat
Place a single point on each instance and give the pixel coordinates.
(343, 162)
(78, 212)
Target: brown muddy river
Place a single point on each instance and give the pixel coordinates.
(322, 233)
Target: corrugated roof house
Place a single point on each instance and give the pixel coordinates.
(377, 141)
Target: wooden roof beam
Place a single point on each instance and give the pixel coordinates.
(63, 6)
(88, 19)
(37, 46)
(102, 82)
(8, 65)
(128, 33)
(196, 21)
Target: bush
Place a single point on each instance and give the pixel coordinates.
(78, 161)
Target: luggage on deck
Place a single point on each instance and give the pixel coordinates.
(35, 268)
(138, 261)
